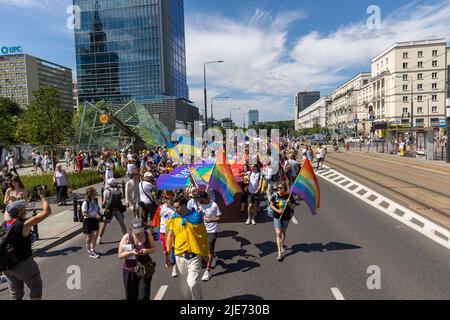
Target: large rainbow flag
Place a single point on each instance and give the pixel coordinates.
(307, 186)
(222, 181)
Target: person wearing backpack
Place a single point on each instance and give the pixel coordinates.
(91, 221)
(16, 255)
(147, 197)
(112, 202)
(282, 210)
(291, 168)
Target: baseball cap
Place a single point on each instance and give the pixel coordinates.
(14, 208)
(137, 226)
(148, 174)
(111, 182)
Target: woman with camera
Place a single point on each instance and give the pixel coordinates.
(91, 221)
(138, 268)
(15, 192)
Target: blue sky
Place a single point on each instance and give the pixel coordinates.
(271, 48)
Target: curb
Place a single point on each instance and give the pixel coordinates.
(72, 234)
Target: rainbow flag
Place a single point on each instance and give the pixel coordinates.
(307, 186)
(222, 181)
(197, 179)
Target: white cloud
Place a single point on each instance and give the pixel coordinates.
(266, 67)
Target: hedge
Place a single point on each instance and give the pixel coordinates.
(77, 180)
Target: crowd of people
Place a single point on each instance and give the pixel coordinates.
(185, 222)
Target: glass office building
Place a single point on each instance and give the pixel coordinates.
(131, 49)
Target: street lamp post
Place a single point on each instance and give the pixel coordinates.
(205, 93)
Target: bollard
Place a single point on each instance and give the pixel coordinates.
(75, 209)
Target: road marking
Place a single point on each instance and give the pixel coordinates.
(431, 170)
(337, 294)
(389, 207)
(161, 292)
(294, 221)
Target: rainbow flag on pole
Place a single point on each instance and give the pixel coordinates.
(197, 179)
(222, 181)
(307, 186)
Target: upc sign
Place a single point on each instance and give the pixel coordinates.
(10, 50)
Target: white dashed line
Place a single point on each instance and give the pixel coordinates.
(389, 207)
(161, 292)
(337, 294)
(294, 221)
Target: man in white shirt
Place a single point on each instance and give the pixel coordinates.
(147, 198)
(320, 155)
(211, 213)
(254, 189)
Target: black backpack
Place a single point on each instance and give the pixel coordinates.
(116, 200)
(8, 254)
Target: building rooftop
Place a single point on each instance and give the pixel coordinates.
(411, 44)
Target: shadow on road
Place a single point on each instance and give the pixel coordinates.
(227, 234)
(56, 253)
(240, 265)
(244, 297)
(110, 252)
(267, 248)
(319, 247)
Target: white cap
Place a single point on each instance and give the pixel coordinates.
(111, 182)
(148, 174)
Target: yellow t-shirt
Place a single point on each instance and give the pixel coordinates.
(189, 238)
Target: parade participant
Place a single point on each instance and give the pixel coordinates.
(12, 165)
(135, 248)
(132, 193)
(186, 233)
(80, 162)
(67, 157)
(112, 202)
(38, 162)
(292, 168)
(46, 161)
(167, 210)
(244, 186)
(212, 214)
(282, 208)
(15, 192)
(320, 155)
(61, 182)
(147, 196)
(254, 189)
(16, 233)
(91, 221)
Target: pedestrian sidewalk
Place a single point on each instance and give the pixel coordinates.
(59, 227)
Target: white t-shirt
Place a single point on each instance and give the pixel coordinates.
(192, 205)
(93, 208)
(211, 211)
(294, 167)
(165, 214)
(320, 153)
(146, 188)
(255, 178)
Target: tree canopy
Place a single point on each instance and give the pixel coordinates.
(9, 115)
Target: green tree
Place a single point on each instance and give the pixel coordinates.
(45, 122)
(9, 114)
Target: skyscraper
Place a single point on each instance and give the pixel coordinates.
(132, 50)
(253, 117)
(304, 99)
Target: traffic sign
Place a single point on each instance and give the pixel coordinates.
(372, 117)
(356, 120)
(104, 118)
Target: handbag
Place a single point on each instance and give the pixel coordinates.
(145, 270)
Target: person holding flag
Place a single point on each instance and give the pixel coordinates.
(283, 211)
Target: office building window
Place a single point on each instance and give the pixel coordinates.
(420, 110)
(434, 97)
(405, 65)
(420, 54)
(434, 109)
(420, 87)
(420, 64)
(405, 110)
(405, 98)
(434, 75)
(420, 122)
(435, 53)
(405, 77)
(419, 76)
(420, 98)
(405, 87)
(405, 55)
(434, 86)
(434, 63)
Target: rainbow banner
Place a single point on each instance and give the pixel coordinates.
(197, 179)
(307, 186)
(222, 181)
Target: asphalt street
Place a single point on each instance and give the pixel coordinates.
(331, 250)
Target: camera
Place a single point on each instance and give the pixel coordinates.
(34, 195)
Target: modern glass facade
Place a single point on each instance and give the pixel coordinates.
(304, 99)
(131, 49)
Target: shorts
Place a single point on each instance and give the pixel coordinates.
(212, 237)
(90, 225)
(115, 214)
(283, 224)
(253, 198)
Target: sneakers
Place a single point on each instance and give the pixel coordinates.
(99, 241)
(206, 276)
(93, 254)
(3, 279)
(253, 222)
(174, 272)
(248, 221)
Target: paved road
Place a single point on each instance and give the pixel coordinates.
(331, 250)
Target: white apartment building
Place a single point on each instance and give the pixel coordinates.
(409, 83)
(315, 113)
(349, 101)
